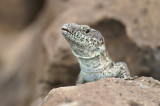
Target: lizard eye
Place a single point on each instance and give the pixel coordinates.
(87, 30)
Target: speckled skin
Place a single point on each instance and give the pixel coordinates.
(89, 47)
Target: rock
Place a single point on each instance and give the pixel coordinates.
(107, 92)
(22, 56)
(17, 14)
(21, 63)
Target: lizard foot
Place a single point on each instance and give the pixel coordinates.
(131, 78)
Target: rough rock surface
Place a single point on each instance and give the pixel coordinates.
(107, 92)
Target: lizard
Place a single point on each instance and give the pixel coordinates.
(88, 46)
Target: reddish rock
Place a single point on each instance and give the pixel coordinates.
(107, 92)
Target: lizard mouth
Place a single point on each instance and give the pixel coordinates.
(64, 29)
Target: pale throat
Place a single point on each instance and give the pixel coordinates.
(99, 61)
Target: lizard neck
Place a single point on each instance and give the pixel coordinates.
(100, 61)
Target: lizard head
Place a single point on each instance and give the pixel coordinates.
(85, 42)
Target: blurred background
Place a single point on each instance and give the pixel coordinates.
(34, 56)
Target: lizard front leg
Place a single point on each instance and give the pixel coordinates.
(80, 79)
(127, 77)
(124, 72)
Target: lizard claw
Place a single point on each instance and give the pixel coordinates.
(131, 78)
